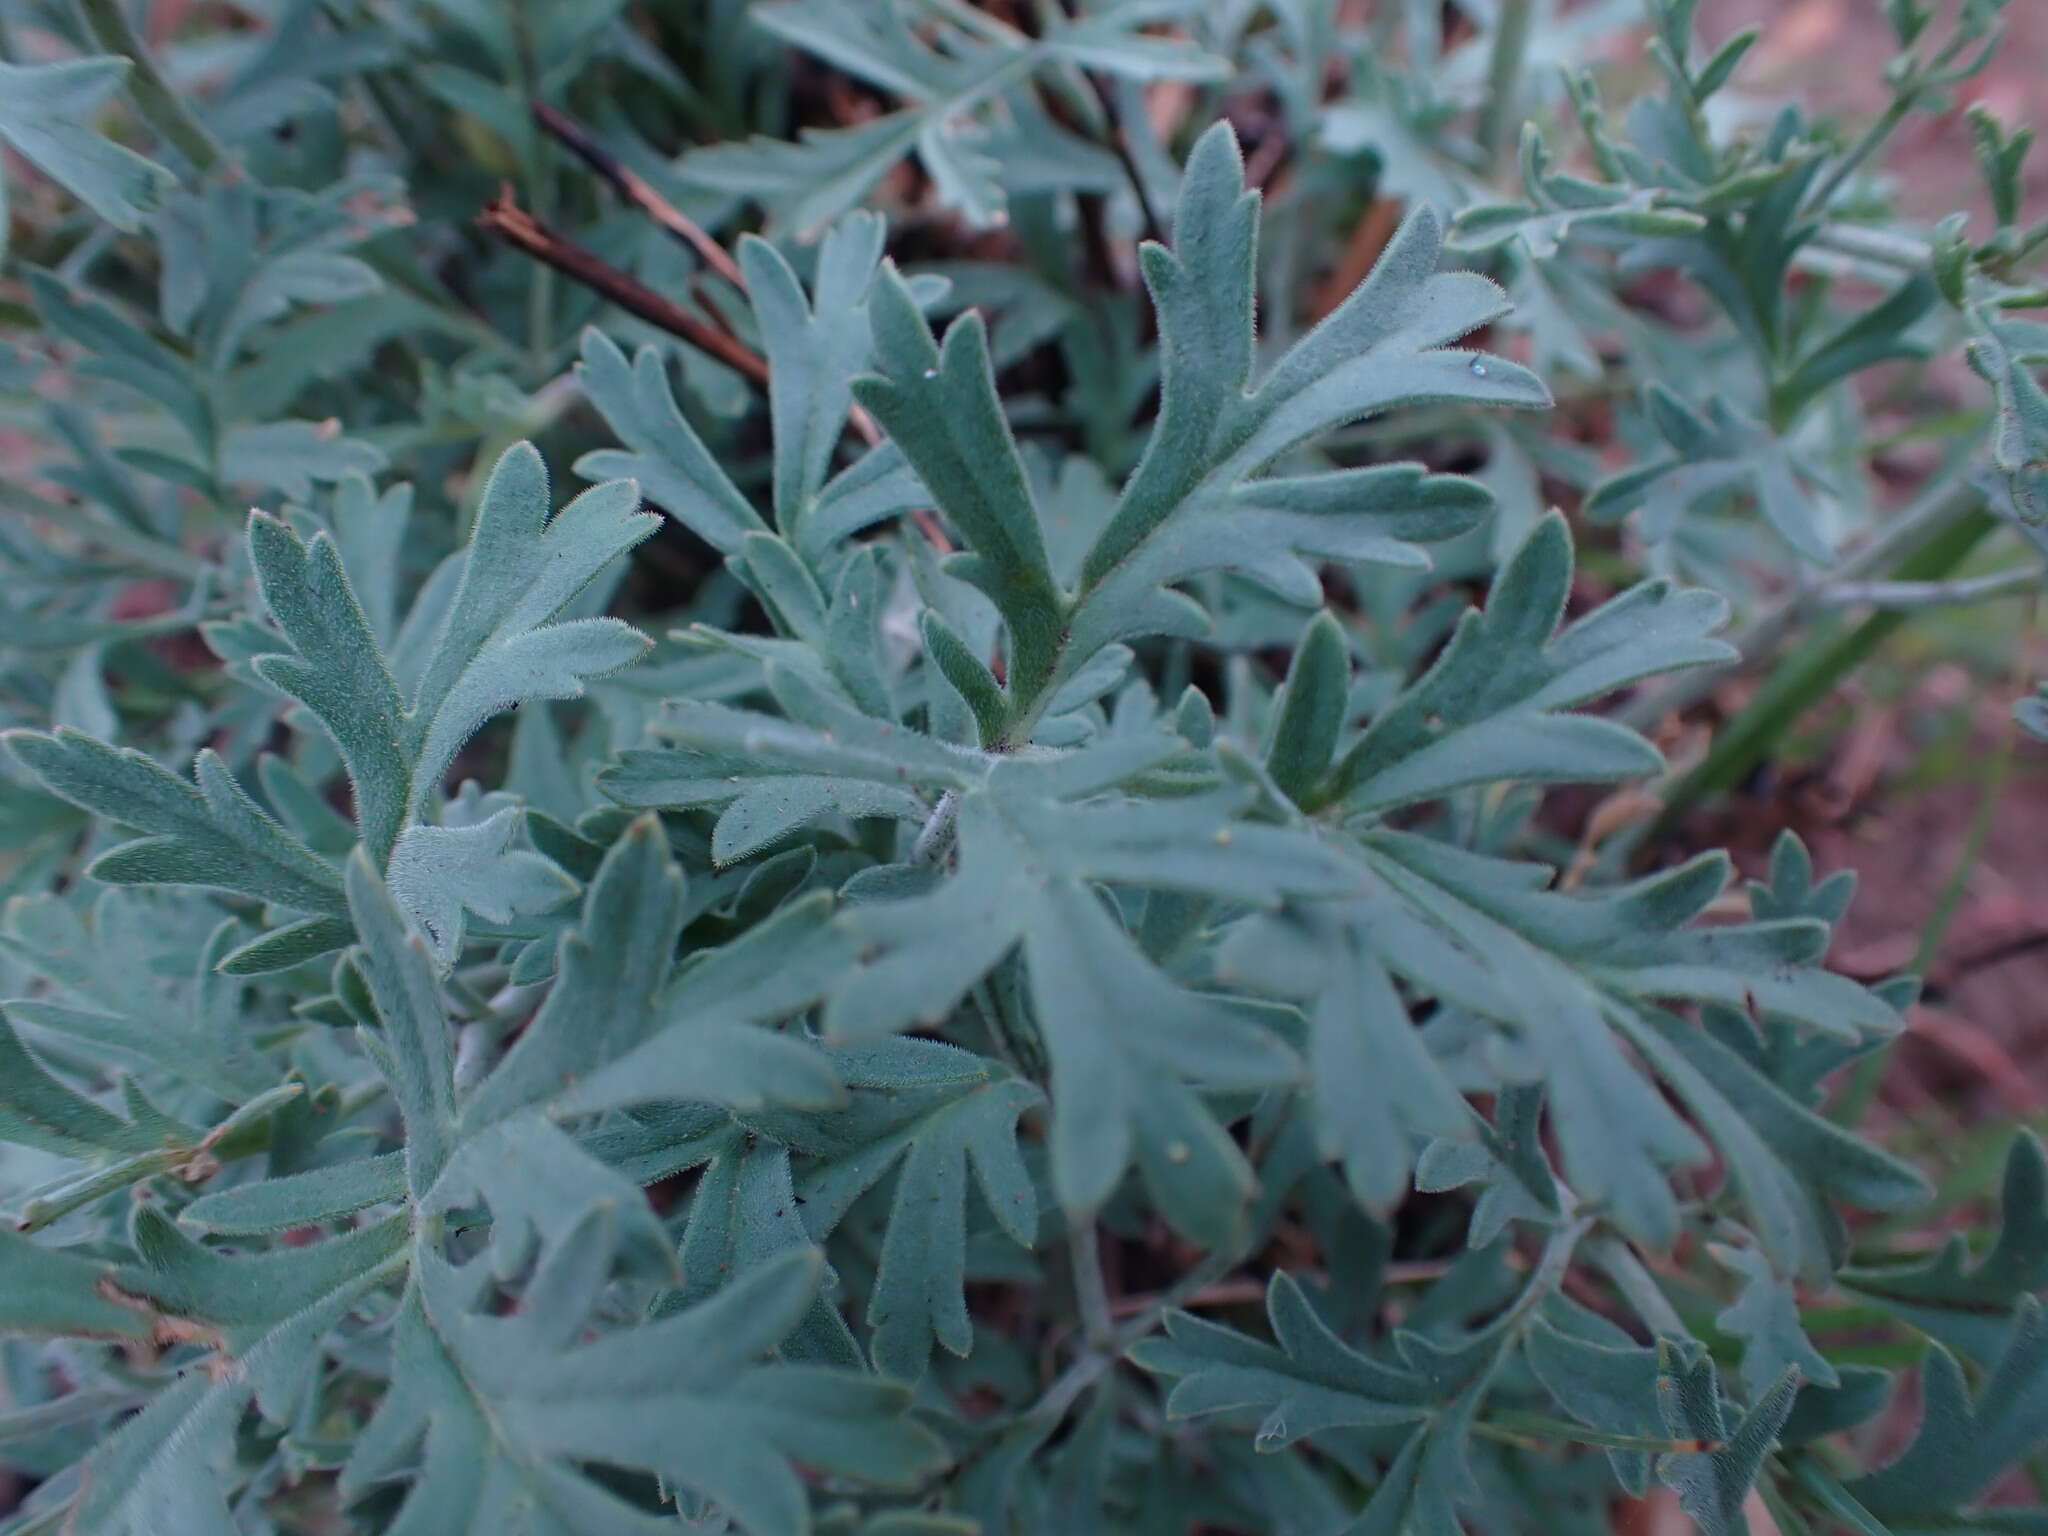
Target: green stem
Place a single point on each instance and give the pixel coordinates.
(1787, 1519)
(1941, 507)
(1504, 75)
(1085, 1254)
(1837, 1500)
(1913, 595)
(108, 25)
(54, 1201)
(1797, 686)
(1996, 771)
(1638, 1287)
(1882, 247)
(1573, 1224)
(544, 407)
(1085, 1371)
(1861, 1088)
(1873, 138)
(1519, 1428)
(450, 316)
(540, 197)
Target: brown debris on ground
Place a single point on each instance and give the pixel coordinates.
(1978, 1045)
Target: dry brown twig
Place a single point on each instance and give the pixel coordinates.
(635, 189)
(504, 218)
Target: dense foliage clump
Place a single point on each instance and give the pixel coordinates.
(818, 982)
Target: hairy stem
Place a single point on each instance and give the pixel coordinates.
(1504, 75)
(936, 835)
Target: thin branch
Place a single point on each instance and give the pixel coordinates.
(1537, 1430)
(1880, 247)
(630, 185)
(1120, 147)
(1873, 138)
(504, 218)
(1931, 594)
(1114, 137)
(1992, 786)
(1504, 73)
(1092, 1363)
(1638, 1287)
(701, 292)
(1981, 1051)
(1085, 1252)
(1939, 507)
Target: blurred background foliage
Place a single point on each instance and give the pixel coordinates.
(375, 230)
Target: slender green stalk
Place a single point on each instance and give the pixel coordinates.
(447, 314)
(1917, 595)
(1539, 1429)
(1861, 1088)
(1637, 1286)
(1504, 72)
(1872, 140)
(1787, 1519)
(1574, 1222)
(1838, 1501)
(108, 25)
(61, 1199)
(1085, 1371)
(1794, 688)
(1996, 771)
(544, 407)
(1085, 1251)
(1943, 506)
(538, 157)
(1883, 247)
